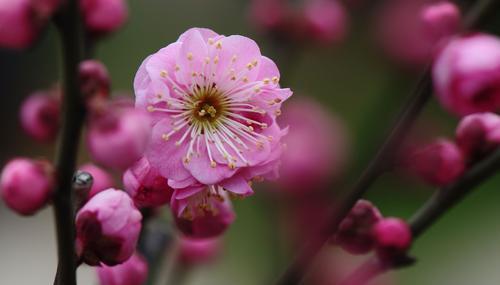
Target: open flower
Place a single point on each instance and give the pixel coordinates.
(214, 101)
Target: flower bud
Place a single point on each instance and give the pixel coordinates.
(478, 134)
(393, 238)
(326, 20)
(22, 20)
(146, 186)
(466, 74)
(102, 180)
(197, 251)
(268, 15)
(94, 79)
(355, 232)
(107, 228)
(118, 138)
(103, 16)
(26, 185)
(200, 223)
(438, 164)
(441, 20)
(132, 272)
(39, 116)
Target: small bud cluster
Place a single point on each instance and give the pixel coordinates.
(364, 229)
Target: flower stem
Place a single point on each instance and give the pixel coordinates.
(73, 114)
(383, 159)
(442, 201)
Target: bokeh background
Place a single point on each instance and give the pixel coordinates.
(354, 80)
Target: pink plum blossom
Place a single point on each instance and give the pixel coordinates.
(22, 20)
(107, 228)
(392, 237)
(197, 251)
(214, 101)
(466, 74)
(39, 116)
(319, 131)
(438, 163)
(441, 20)
(478, 134)
(355, 232)
(202, 211)
(326, 20)
(103, 16)
(118, 135)
(26, 185)
(102, 180)
(132, 272)
(146, 186)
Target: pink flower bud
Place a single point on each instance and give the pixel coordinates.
(393, 237)
(26, 185)
(102, 180)
(107, 228)
(197, 251)
(118, 138)
(326, 20)
(438, 164)
(441, 20)
(466, 74)
(478, 134)
(207, 221)
(355, 232)
(132, 272)
(94, 79)
(302, 170)
(146, 186)
(39, 116)
(22, 20)
(104, 16)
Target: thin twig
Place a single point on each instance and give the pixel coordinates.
(382, 160)
(73, 114)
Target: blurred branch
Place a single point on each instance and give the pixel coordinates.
(442, 201)
(383, 158)
(73, 113)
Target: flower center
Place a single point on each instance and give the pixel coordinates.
(208, 107)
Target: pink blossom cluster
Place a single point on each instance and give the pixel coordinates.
(214, 101)
(318, 21)
(22, 21)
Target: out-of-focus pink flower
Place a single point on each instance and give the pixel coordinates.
(102, 180)
(201, 215)
(466, 74)
(104, 16)
(197, 251)
(269, 15)
(316, 146)
(118, 136)
(146, 186)
(393, 237)
(438, 163)
(39, 116)
(132, 272)
(107, 228)
(441, 20)
(214, 101)
(402, 34)
(326, 20)
(478, 134)
(26, 185)
(22, 20)
(94, 79)
(355, 232)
